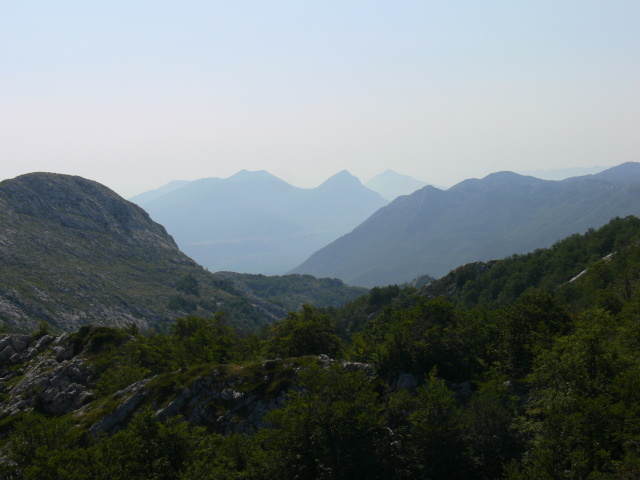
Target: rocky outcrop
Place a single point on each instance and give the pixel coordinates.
(48, 376)
(53, 381)
(45, 374)
(216, 401)
(221, 402)
(133, 397)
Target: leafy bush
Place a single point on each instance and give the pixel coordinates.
(304, 333)
(188, 284)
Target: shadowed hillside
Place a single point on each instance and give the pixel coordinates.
(433, 231)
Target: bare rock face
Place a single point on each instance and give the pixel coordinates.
(48, 376)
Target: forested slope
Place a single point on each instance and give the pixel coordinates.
(542, 381)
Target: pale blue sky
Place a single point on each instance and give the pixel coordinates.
(137, 93)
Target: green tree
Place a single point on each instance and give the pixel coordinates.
(329, 428)
(435, 448)
(304, 333)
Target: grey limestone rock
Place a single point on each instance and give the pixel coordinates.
(63, 353)
(6, 353)
(244, 412)
(135, 394)
(43, 341)
(20, 342)
(56, 388)
(406, 381)
(354, 366)
(61, 339)
(15, 358)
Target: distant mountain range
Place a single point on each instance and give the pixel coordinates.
(253, 222)
(391, 184)
(433, 231)
(158, 192)
(72, 252)
(562, 173)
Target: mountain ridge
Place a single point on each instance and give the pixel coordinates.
(254, 222)
(433, 231)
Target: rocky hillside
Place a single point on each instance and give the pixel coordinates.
(64, 374)
(73, 252)
(50, 375)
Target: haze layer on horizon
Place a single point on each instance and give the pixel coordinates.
(136, 94)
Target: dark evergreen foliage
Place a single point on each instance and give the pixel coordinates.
(551, 381)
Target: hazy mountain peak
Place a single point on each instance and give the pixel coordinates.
(254, 222)
(628, 172)
(78, 203)
(251, 175)
(392, 184)
(506, 176)
(505, 179)
(562, 173)
(341, 178)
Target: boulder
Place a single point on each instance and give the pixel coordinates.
(406, 381)
(62, 339)
(136, 394)
(63, 353)
(43, 341)
(15, 358)
(6, 353)
(20, 342)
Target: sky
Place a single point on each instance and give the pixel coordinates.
(134, 94)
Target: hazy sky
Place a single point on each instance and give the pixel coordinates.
(134, 94)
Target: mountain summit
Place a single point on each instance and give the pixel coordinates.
(254, 222)
(73, 252)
